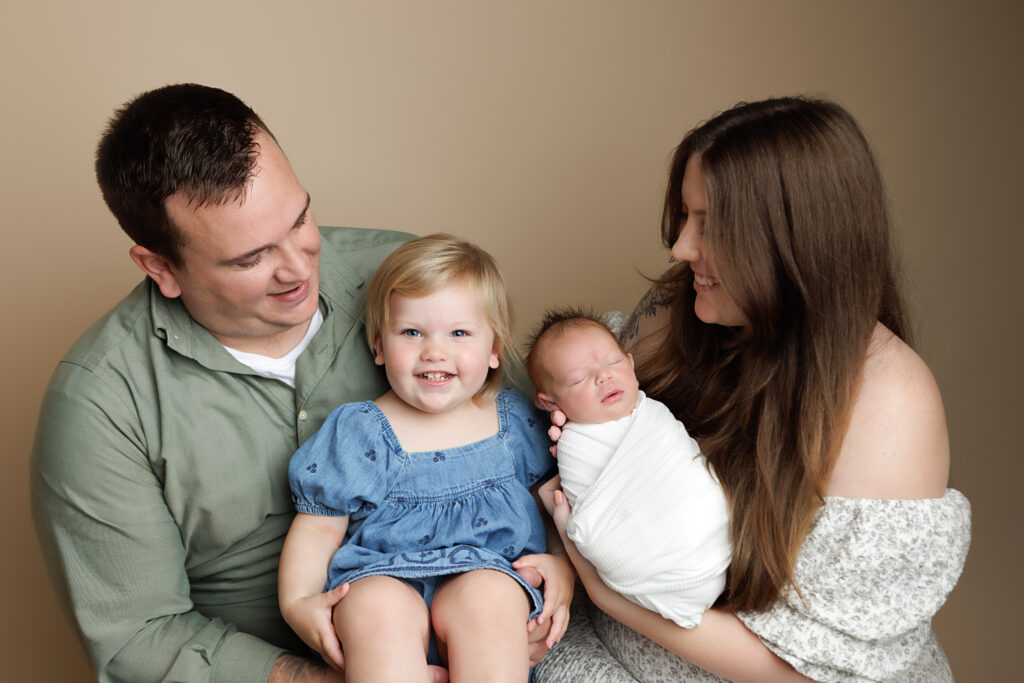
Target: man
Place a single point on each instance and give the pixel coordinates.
(159, 474)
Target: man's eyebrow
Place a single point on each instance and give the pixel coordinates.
(302, 214)
(253, 252)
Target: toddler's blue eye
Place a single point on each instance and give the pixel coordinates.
(411, 333)
(460, 333)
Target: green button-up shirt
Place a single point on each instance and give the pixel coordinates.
(160, 476)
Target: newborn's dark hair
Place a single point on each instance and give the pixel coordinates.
(554, 323)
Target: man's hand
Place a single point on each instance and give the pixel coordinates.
(311, 619)
(558, 578)
(547, 629)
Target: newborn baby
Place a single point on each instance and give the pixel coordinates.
(647, 510)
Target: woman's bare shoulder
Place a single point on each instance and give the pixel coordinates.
(896, 445)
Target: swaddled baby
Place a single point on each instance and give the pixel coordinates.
(647, 510)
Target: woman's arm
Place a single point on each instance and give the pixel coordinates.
(721, 644)
(311, 542)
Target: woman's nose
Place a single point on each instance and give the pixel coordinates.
(688, 243)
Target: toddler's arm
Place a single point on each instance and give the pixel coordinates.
(311, 542)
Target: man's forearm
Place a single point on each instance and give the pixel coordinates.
(294, 669)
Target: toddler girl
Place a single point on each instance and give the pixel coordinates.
(413, 506)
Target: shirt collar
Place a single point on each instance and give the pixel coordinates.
(340, 284)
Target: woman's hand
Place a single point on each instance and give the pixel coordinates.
(553, 498)
(557, 505)
(558, 419)
(311, 619)
(557, 578)
(546, 493)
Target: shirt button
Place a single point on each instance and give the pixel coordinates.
(303, 415)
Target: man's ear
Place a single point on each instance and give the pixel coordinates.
(546, 402)
(158, 268)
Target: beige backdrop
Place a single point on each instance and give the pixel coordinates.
(542, 130)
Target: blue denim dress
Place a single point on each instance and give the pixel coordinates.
(423, 516)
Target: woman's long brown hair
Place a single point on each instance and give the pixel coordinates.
(798, 228)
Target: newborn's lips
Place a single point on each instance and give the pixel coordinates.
(612, 396)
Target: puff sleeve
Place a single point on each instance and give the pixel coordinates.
(529, 438)
(345, 468)
(871, 574)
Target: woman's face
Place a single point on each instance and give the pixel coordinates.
(713, 304)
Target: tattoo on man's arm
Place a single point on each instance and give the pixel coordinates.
(294, 669)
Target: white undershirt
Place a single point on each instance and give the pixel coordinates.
(282, 368)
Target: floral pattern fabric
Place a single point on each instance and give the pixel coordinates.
(871, 575)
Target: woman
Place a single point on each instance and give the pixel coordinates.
(779, 339)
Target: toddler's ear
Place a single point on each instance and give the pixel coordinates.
(545, 402)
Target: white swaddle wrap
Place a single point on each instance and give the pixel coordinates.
(647, 512)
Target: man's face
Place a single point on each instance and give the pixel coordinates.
(250, 271)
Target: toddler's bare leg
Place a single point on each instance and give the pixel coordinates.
(384, 628)
(480, 618)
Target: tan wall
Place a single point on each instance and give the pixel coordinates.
(540, 129)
